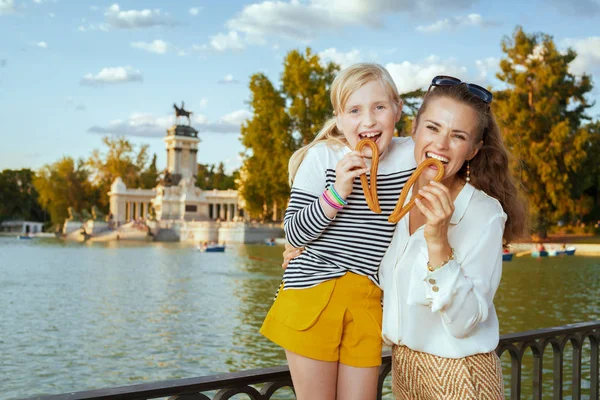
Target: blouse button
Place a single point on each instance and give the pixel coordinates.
(435, 288)
(432, 281)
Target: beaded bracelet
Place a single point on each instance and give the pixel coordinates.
(450, 257)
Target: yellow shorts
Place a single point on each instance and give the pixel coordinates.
(337, 320)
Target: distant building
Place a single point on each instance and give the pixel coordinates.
(21, 227)
(176, 197)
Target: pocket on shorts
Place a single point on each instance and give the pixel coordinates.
(300, 309)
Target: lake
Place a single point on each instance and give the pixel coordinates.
(82, 316)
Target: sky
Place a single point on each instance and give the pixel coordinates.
(73, 71)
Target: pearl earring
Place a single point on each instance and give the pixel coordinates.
(468, 171)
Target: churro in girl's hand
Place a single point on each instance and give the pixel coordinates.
(370, 191)
(400, 211)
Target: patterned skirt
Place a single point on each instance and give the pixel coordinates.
(422, 376)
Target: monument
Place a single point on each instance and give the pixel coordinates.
(176, 209)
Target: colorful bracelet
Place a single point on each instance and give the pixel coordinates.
(337, 196)
(331, 202)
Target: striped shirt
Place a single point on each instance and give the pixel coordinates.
(356, 238)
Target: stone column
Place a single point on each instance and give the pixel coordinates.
(222, 212)
(193, 163)
(177, 160)
(235, 211)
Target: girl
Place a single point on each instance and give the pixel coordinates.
(444, 264)
(327, 315)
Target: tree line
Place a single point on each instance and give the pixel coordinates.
(46, 194)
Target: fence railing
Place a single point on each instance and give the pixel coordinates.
(269, 380)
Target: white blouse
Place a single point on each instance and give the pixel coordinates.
(448, 312)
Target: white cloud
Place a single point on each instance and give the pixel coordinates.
(342, 59)
(133, 19)
(203, 102)
(111, 76)
(230, 41)
(588, 54)
(156, 46)
(195, 10)
(93, 27)
(42, 45)
(305, 20)
(52, 15)
(488, 68)
(94, 8)
(228, 79)
(409, 76)
(6, 7)
(454, 23)
(147, 125)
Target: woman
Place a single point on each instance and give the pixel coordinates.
(443, 267)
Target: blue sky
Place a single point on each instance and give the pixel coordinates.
(72, 71)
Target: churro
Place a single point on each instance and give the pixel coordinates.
(370, 191)
(399, 210)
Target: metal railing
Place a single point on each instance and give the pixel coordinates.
(269, 380)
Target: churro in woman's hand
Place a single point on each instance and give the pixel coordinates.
(399, 210)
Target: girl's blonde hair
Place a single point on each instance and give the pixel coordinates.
(344, 85)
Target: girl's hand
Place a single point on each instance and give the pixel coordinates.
(289, 254)
(346, 170)
(437, 207)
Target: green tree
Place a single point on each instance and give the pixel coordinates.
(18, 196)
(269, 143)
(541, 113)
(64, 184)
(149, 178)
(120, 159)
(306, 84)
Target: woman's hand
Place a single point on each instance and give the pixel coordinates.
(437, 208)
(346, 170)
(289, 254)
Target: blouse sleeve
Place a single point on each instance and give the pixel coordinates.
(464, 292)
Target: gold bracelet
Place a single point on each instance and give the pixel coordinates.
(450, 257)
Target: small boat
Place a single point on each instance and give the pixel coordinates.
(24, 237)
(213, 248)
(541, 253)
(270, 242)
(570, 251)
(507, 256)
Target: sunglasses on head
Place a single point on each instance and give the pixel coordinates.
(476, 90)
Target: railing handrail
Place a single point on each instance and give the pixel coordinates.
(263, 375)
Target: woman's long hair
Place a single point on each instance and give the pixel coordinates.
(344, 85)
(489, 170)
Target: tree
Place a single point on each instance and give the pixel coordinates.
(119, 160)
(306, 84)
(149, 178)
(541, 113)
(18, 196)
(62, 185)
(269, 143)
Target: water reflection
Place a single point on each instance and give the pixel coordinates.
(80, 316)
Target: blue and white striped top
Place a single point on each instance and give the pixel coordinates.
(356, 238)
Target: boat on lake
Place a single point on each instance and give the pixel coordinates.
(212, 248)
(507, 256)
(539, 253)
